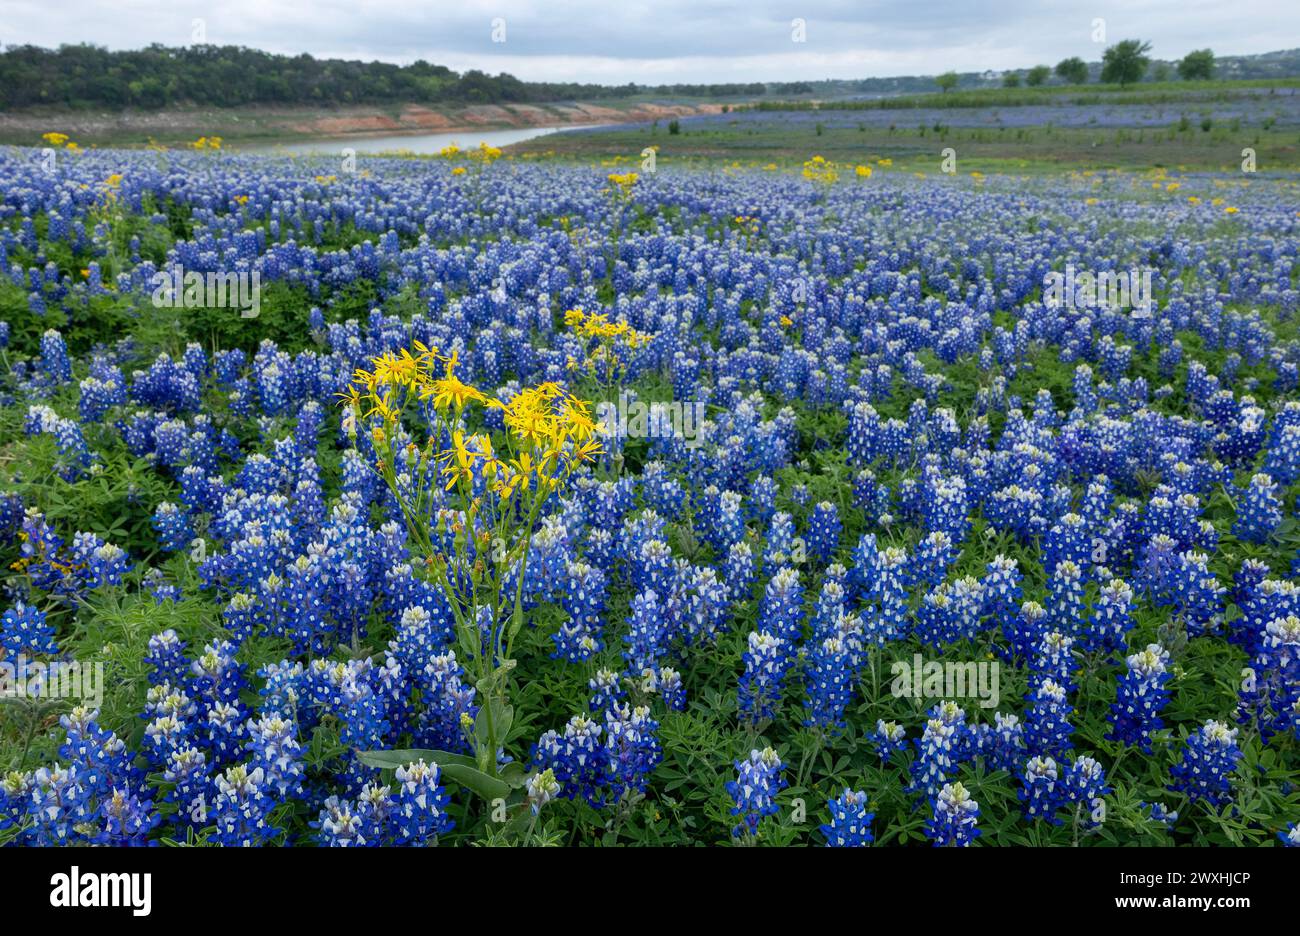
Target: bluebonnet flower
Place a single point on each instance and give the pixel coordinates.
(1110, 621)
(54, 357)
(584, 600)
(890, 588)
(955, 816)
(780, 541)
(758, 781)
(1085, 785)
(850, 825)
(1160, 813)
(127, 820)
(173, 526)
(1135, 713)
(781, 611)
(1002, 744)
(1209, 758)
(225, 732)
(189, 773)
(1291, 835)
(1054, 659)
(1026, 631)
(277, 753)
(668, 683)
(824, 529)
(728, 527)
(631, 747)
(23, 630)
(341, 825)
(945, 740)
(103, 563)
(1197, 593)
(1042, 789)
(830, 684)
(934, 554)
(1259, 511)
(420, 815)
(739, 571)
(576, 759)
(1283, 460)
(645, 634)
(1067, 541)
(1002, 590)
(1065, 598)
(15, 797)
(708, 606)
(61, 798)
(767, 659)
(606, 690)
(888, 739)
(1047, 726)
(542, 788)
(215, 674)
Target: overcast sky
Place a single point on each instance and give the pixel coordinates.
(669, 41)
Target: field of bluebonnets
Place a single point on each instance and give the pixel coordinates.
(877, 542)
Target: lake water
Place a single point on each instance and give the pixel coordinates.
(415, 142)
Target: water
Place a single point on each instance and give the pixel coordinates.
(415, 142)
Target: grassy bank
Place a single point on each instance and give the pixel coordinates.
(920, 148)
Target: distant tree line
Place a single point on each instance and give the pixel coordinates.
(87, 76)
(1124, 63)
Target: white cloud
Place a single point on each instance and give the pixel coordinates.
(669, 40)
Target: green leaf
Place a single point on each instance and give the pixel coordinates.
(515, 774)
(456, 768)
(472, 778)
(391, 760)
(503, 716)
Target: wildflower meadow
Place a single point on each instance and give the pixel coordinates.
(492, 499)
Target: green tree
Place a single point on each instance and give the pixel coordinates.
(1038, 75)
(946, 81)
(1073, 70)
(1197, 66)
(1011, 79)
(1125, 62)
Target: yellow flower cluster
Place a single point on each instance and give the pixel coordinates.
(819, 169)
(624, 182)
(206, 143)
(111, 185)
(598, 325)
(863, 172)
(485, 154)
(57, 139)
(549, 432)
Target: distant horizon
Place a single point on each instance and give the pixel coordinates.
(668, 42)
(990, 70)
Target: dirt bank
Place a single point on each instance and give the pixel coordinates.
(138, 128)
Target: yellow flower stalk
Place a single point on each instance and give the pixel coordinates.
(475, 544)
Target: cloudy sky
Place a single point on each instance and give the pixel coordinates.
(668, 41)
